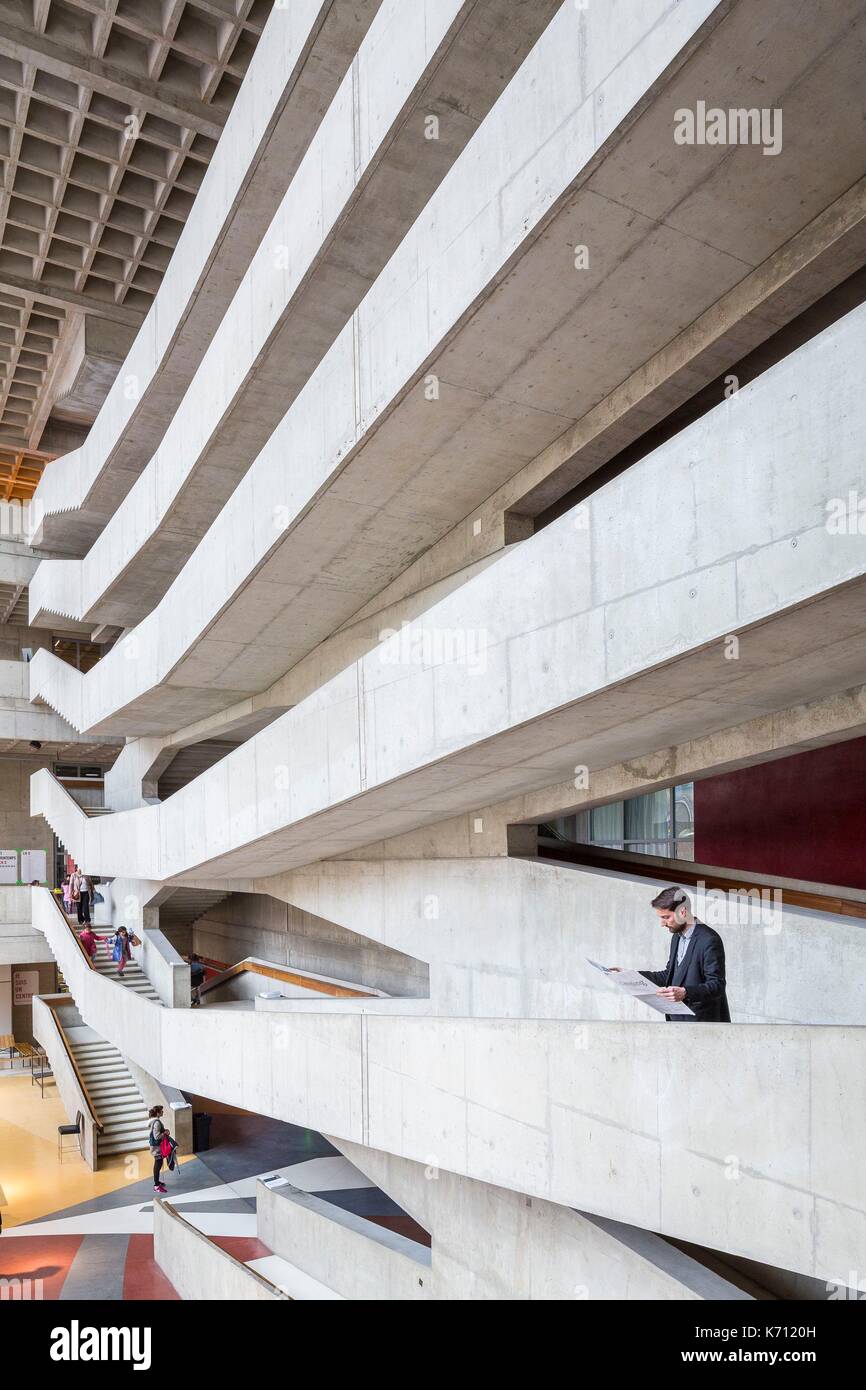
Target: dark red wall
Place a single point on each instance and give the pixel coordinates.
(799, 817)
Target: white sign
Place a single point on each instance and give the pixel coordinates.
(34, 865)
(25, 983)
(8, 866)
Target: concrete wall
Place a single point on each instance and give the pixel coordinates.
(48, 1030)
(538, 140)
(199, 1269)
(565, 619)
(601, 1116)
(254, 924)
(510, 938)
(355, 1257)
(19, 829)
(23, 1026)
(489, 1243)
(13, 638)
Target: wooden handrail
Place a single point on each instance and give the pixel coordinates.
(250, 1273)
(289, 977)
(52, 1008)
(71, 930)
(678, 871)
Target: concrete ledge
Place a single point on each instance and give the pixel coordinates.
(200, 1270)
(357, 1258)
(604, 1117)
(304, 51)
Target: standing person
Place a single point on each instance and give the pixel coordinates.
(74, 892)
(121, 951)
(157, 1133)
(66, 889)
(85, 893)
(695, 972)
(197, 974)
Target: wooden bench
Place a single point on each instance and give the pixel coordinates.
(26, 1051)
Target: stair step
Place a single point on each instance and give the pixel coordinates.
(111, 1143)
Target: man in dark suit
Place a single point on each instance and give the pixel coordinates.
(695, 972)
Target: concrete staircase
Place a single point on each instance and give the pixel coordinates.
(133, 977)
(117, 1100)
(186, 905)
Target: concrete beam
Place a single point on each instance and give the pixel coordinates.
(298, 65)
(29, 46)
(45, 293)
(327, 243)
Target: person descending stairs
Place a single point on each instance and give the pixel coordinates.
(133, 977)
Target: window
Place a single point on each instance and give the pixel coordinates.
(660, 823)
(76, 652)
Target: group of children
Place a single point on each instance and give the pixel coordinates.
(78, 897)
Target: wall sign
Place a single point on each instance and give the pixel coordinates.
(8, 866)
(25, 983)
(34, 864)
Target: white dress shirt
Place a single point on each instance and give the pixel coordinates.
(683, 943)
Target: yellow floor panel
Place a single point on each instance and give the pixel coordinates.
(33, 1179)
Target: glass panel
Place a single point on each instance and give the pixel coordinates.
(607, 825)
(684, 820)
(88, 655)
(648, 823)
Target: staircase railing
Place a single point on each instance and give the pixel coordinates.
(199, 1268)
(71, 1085)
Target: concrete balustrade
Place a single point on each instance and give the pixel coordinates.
(48, 1031)
(510, 937)
(199, 1269)
(602, 1116)
(166, 969)
(588, 639)
(328, 240)
(347, 1253)
(534, 148)
(304, 52)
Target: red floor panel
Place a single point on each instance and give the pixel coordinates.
(142, 1277)
(38, 1257)
(404, 1226)
(242, 1247)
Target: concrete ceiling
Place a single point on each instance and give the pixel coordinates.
(109, 113)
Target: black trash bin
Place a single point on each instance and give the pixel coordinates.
(201, 1131)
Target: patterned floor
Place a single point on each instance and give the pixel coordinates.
(103, 1248)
